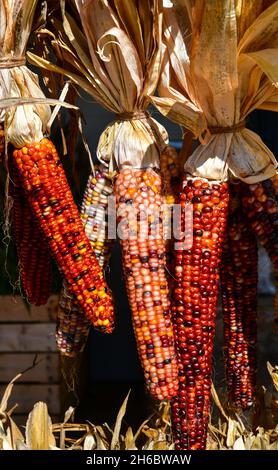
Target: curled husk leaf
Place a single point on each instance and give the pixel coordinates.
(220, 64)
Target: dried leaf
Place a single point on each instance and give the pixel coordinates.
(130, 440)
(239, 444)
(232, 432)
(117, 429)
(38, 432)
(89, 442)
(217, 402)
(7, 394)
(273, 371)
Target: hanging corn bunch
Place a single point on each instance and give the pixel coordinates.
(32, 248)
(210, 81)
(40, 171)
(239, 277)
(119, 68)
(72, 326)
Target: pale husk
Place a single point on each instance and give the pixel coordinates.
(115, 55)
(24, 122)
(220, 64)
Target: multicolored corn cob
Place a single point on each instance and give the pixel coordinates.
(194, 307)
(171, 181)
(260, 204)
(239, 278)
(48, 193)
(140, 229)
(32, 248)
(72, 326)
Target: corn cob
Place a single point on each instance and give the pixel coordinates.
(50, 198)
(260, 204)
(239, 277)
(32, 248)
(171, 181)
(72, 326)
(194, 308)
(143, 254)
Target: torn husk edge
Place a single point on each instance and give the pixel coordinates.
(209, 75)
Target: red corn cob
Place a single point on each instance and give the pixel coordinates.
(50, 198)
(260, 204)
(194, 308)
(239, 278)
(144, 265)
(72, 326)
(32, 248)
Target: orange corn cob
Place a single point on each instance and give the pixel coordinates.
(260, 204)
(194, 308)
(144, 266)
(171, 182)
(32, 248)
(72, 326)
(50, 198)
(239, 278)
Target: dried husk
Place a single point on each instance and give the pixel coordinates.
(24, 122)
(115, 55)
(221, 63)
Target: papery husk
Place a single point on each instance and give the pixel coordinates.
(133, 143)
(220, 64)
(28, 122)
(115, 55)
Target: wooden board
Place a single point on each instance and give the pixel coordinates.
(13, 309)
(36, 337)
(46, 370)
(26, 395)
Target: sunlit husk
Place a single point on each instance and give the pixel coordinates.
(220, 64)
(23, 123)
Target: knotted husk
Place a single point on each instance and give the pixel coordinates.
(220, 63)
(114, 53)
(23, 122)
